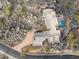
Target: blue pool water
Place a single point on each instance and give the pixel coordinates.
(61, 23)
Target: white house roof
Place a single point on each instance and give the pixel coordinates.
(47, 33)
(50, 18)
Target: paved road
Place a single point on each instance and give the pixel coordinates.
(16, 54)
(9, 51)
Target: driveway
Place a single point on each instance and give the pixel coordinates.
(27, 41)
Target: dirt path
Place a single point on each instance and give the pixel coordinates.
(27, 41)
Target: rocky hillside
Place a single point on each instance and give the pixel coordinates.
(19, 16)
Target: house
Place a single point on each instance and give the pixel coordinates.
(52, 35)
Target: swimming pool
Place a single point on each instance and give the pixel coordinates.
(61, 23)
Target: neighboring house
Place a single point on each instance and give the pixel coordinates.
(51, 23)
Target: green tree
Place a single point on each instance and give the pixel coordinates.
(8, 9)
(70, 40)
(21, 11)
(1, 22)
(76, 16)
(22, 55)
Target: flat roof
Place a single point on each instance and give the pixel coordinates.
(42, 34)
